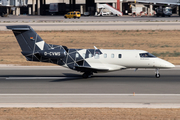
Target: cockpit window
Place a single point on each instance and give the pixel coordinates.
(146, 55)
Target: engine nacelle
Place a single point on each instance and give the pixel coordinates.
(53, 53)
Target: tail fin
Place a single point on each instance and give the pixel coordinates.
(28, 39)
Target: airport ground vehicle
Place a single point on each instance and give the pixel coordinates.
(103, 14)
(164, 8)
(167, 11)
(88, 61)
(139, 11)
(73, 14)
(106, 9)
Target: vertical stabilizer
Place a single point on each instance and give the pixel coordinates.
(28, 39)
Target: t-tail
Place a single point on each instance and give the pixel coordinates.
(34, 48)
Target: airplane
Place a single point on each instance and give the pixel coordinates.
(87, 61)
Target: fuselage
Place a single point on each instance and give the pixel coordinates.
(122, 59)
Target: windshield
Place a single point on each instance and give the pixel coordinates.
(168, 9)
(146, 55)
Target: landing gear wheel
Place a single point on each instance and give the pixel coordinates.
(87, 74)
(157, 75)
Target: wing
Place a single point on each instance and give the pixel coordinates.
(97, 68)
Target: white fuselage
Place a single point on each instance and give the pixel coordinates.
(122, 59)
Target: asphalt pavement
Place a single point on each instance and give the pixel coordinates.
(44, 80)
(99, 26)
(26, 18)
(60, 87)
(49, 23)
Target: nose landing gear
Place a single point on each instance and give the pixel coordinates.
(157, 73)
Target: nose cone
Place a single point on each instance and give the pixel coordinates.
(169, 65)
(164, 64)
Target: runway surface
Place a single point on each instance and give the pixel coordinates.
(62, 81)
(24, 18)
(100, 26)
(59, 85)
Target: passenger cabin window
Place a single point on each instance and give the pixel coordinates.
(77, 55)
(120, 55)
(90, 55)
(96, 56)
(146, 55)
(83, 55)
(112, 55)
(105, 55)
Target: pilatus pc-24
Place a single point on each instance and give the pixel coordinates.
(88, 61)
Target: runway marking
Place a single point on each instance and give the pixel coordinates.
(93, 94)
(20, 78)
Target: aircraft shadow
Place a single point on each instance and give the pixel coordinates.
(68, 77)
(64, 75)
(71, 77)
(134, 76)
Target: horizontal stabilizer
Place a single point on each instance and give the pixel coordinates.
(18, 27)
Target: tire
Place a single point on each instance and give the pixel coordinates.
(85, 75)
(74, 17)
(65, 17)
(78, 17)
(134, 15)
(157, 75)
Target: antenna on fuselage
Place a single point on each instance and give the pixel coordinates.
(95, 47)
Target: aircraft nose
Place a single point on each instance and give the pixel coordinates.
(166, 64)
(169, 65)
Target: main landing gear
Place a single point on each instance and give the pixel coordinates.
(157, 73)
(87, 74)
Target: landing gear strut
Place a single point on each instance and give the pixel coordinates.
(87, 74)
(157, 73)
